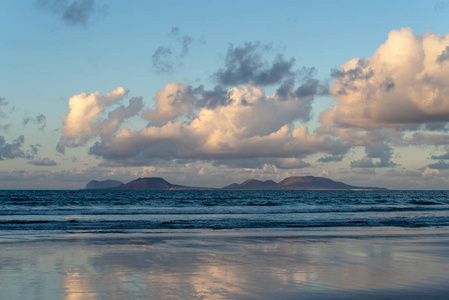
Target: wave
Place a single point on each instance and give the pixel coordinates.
(215, 224)
(218, 210)
(424, 202)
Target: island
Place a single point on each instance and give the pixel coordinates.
(101, 185)
(290, 183)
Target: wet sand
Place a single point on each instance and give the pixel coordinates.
(410, 264)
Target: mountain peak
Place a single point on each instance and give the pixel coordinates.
(147, 183)
(101, 185)
(295, 183)
(312, 182)
(251, 184)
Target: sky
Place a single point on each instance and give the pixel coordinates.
(208, 93)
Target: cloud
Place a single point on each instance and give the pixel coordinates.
(331, 158)
(249, 124)
(3, 102)
(435, 126)
(165, 58)
(380, 151)
(75, 179)
(364, 171)
(221, 125)
(43, 162)
(78, 12)
(171, 102)
(404, 173)
(12, 150)
(257, 162)
(444, 56)
(185, 43)
(404, 83)
(174, 31)
(422, 138)
(84, 122)
(417, 175)
(209, 98)
(246, 64)
(440, 165)
(73, 12)
(441, 6)
(162, 60)
(183, 40)
(34, 150)
(40, 119)
(178, 100)
(290, 163)
(115, 118)
(5, 127)
(443, 156)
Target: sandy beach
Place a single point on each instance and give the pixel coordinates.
(410, 264)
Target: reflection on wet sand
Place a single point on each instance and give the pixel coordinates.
(223, 267)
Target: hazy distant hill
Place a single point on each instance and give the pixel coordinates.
(149, 183)
(296, 183)
(290, 183)
(311, 182)
(154, 184)
(100, 185)
(251, 184)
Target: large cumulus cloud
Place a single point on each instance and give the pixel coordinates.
(85, 119)
(397, 97)
(199, 124)
(235, 120)
(405, 82)
(249, 124)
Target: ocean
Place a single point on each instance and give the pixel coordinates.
(224, 245)
(48, 212)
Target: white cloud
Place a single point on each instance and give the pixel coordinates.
(82, 121)
(171, 102)
(249, 124)
(405, 82)
(382, 100)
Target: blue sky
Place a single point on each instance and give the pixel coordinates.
(161, 53)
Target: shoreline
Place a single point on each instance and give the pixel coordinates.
(17, 236)
(306, 264)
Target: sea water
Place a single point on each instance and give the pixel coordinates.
(39, 212)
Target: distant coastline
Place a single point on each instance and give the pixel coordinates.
(290, 183)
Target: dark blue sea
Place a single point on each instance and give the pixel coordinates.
(154, 211)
